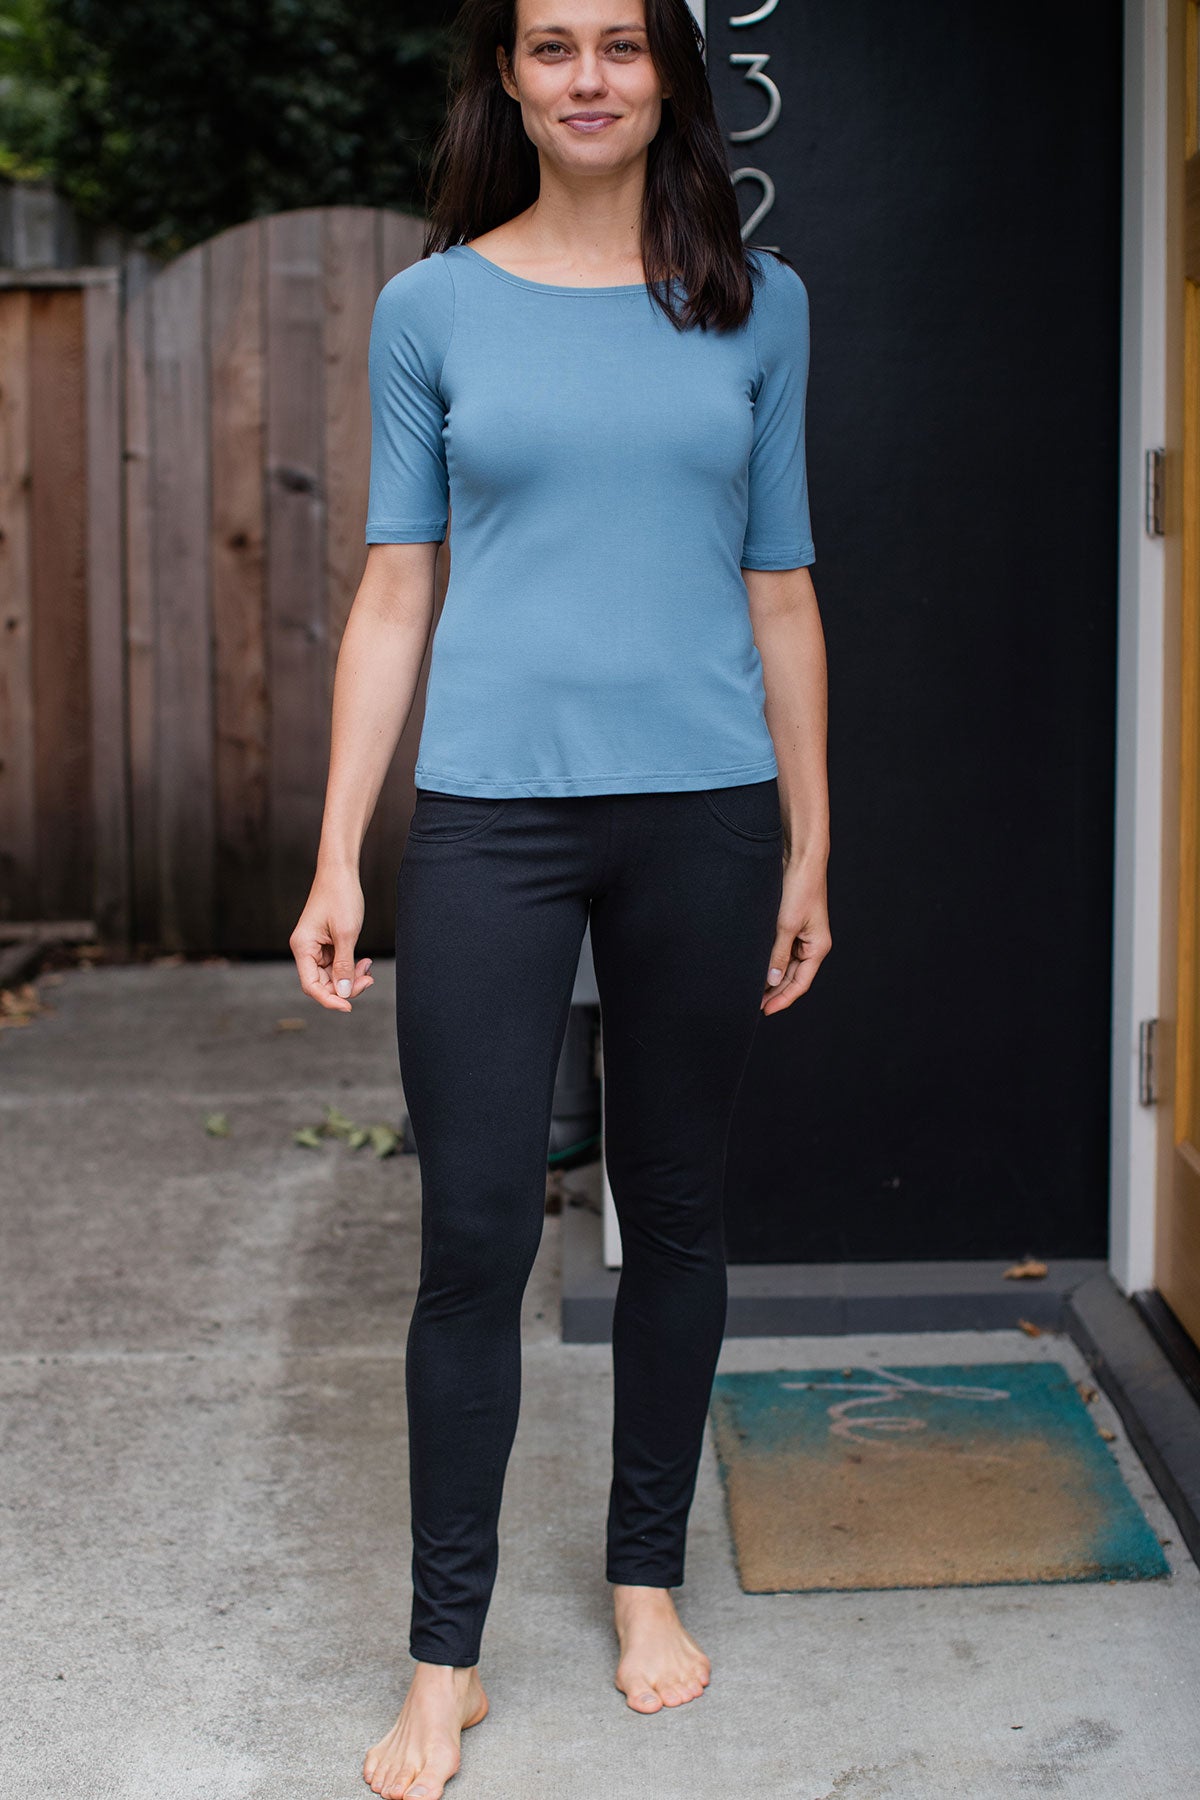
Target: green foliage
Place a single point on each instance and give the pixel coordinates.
(29, 99)
(383, 1139)
(177, 118)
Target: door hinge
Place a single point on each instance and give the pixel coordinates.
(1154, 492)
(1147, 1062)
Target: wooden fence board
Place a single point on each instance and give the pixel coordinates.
(400, 238)
(181, 511)
(140, 672)
(58, 559)
(297, 611)
(18, 804)
(106, 649)
(238, 377)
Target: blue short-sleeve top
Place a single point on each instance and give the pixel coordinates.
(609, 476)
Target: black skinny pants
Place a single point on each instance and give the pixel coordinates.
(492, 899)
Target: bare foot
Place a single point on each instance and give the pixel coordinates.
(421, 1751)
(661, 1665)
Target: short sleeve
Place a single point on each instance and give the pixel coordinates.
(410, 334)
(778, 529)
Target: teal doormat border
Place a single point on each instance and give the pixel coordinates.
(947, 1475)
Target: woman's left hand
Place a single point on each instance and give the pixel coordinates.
(802, 940)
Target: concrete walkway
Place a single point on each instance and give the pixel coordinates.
(204, 1480)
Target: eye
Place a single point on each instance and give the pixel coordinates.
(621, 44)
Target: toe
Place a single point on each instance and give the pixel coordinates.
(646, 1701)
(397, 1785)
(429, 1783)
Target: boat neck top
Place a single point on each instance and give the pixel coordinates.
(605, 477)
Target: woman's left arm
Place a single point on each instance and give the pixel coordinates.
(787, 629)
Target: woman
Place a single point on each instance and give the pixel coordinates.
(624, 723)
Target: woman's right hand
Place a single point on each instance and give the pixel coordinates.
(324, 939)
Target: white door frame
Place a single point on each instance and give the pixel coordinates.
(1138, 872)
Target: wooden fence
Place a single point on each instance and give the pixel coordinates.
(184, 458)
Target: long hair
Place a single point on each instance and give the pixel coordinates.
(484, 169)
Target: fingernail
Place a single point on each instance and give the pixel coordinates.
(344, 989)
(775, 976)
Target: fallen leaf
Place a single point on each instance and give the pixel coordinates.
(385, 1139)
(217, 1124)
(19, 1006)
(1029, 1328)
(291, 1024)
(1085, 1392)
(308, 1137)
(1106, 1434)
(1029, 1268)
(337, 1124)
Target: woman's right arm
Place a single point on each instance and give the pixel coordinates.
(378, 666)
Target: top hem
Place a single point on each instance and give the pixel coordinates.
(404, 531)
(770, 560)
(548, 787)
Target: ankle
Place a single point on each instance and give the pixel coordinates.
(627, 1598)
(446, 1674)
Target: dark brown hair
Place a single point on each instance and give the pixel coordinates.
(484, 168)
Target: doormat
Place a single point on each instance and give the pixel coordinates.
(954, 1475)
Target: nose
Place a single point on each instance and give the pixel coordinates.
(589, 74)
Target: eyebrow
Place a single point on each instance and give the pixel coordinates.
(565, 30)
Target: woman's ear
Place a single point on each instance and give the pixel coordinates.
(505, 72)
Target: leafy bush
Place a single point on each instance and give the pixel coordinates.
(176, 118)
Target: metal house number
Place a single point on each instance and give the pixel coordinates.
(754, 62)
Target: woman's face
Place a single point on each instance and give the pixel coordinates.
(580, 57)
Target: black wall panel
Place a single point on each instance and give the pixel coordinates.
(948, 183)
